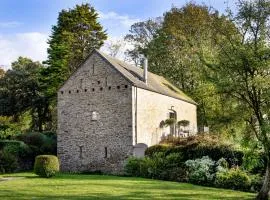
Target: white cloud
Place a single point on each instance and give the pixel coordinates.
(10, 24)
(31, 44)
(124, 20)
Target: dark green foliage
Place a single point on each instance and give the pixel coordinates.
(8, 162)
(40, 143)
(19, 87)
(241, 71)
(4, 143)
(20, 91)
(233, 179)
(194, 147)
(158, 166)
(34, 138)
(190, 152)
(254, 162)
(135, 167)
(46, 165)
(156, 148)
(17, 148)
(28, 146)
(9, 129)
(256, 182)
(22, 152)
(75, 35)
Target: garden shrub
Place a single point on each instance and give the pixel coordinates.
(133, 166)
(33, 139)
(50, 134)
(254, 162)
(178, 174)
(233, 179)
(46, 165)
(4, 143)
(40, 143)
(201, 171)
(27, 146)
(194, 147)
(156, 148)
(158, 166)
(256, 183)
(49, 146)
(222, 165)
(8, 162)
(19, 149)
(8, 129)
(194, 151)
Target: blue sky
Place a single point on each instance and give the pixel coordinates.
(25, 25)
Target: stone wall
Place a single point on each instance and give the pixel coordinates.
(95, 119)
(152, 108)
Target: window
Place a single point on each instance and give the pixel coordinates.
(101, 88)
(93, 68)
(81, 83)
(81, 152)
(69, 91)
(93, 89)
(77, 91)
(98, 82)
(110, 87)
(108, 80)
(172, 115)
(106, 152)
(118, 87)
(62, 92)
(126, 86)
(85, 90)
(94, 116)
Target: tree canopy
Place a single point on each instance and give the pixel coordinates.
(75, 35)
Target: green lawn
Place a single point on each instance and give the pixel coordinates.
(67, 186)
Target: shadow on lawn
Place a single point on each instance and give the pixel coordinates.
(132, 195)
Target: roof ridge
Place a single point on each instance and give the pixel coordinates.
(156, 83)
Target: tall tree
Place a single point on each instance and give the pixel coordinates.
(242, 71)
(174, 53)
(76, 34)
(20, 92)
(140, 35)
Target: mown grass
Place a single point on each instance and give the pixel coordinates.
(73, 186)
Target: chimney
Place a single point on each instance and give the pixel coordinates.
(145, 71)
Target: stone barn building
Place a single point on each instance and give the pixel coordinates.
(109, 110)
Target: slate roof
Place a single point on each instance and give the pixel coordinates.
(155, 83)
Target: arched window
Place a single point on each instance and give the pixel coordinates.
(173, 116)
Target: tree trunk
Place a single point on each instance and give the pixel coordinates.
(263, 194)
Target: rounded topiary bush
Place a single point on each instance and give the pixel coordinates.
(46, 165)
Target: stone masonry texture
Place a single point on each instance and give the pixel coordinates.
(85, 144)
(102, 117)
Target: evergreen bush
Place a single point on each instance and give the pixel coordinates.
(234, 178)
(46, 165)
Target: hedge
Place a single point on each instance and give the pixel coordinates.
(4, 143)
(194, 151)
(46, 165)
